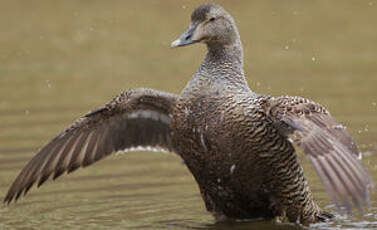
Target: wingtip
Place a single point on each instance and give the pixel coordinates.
(8, 199)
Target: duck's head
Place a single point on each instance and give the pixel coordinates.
(210, 24)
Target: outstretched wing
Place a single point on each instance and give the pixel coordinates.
(136, 119)
(330, 149)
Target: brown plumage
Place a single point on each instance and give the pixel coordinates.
(235, 143)
(139, 117)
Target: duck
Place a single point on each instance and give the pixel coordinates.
(238, 145)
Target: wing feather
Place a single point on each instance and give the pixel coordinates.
(327, 145)
(136, 118)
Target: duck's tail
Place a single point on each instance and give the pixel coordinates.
(324, 216)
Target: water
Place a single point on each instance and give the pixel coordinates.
(55, 65)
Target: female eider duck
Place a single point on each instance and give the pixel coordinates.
(236, 143)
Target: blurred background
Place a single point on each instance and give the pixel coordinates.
(60, 59)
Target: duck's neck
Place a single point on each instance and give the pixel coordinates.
(224, 61)
(231, 53)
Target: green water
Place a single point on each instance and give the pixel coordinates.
(60, 59)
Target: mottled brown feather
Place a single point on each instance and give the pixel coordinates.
(136, 118)
(330, 149)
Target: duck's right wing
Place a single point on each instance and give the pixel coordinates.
(327, 145)
(136, 119)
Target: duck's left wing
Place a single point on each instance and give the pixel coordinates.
(327, 145)
(136, 119)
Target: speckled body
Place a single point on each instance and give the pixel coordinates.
(245, 169)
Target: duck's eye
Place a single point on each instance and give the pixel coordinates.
(212, 19)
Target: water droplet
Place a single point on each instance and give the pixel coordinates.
(48, 83)
(338, 126)
(374, 103)
(368, 214)
(186, 111)
(232, 168)
(184, 7)
(286, 47)
(218, 180)
(314, 59)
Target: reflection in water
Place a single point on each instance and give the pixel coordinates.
(56, 66)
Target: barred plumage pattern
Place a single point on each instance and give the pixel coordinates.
(235, 142)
